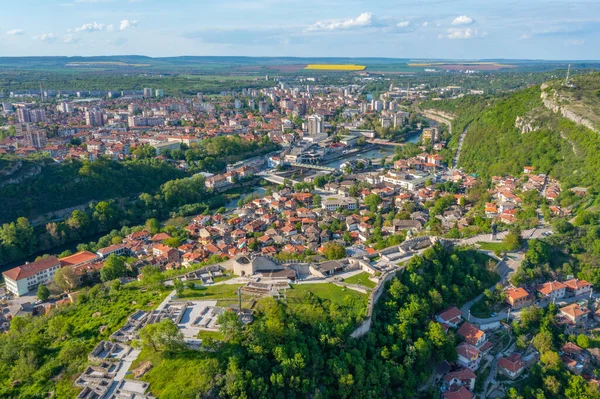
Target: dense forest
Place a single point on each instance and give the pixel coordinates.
(290, 350)
(40, 185)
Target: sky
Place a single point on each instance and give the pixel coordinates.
(449, 29)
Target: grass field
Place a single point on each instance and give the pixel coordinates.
(497, 247)
(222, 278)
(331, 292)
(335, 67)
(216, 335)
(169, 377)
(361, 279)
(213, 292)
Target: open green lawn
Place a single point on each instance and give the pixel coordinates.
(222, 278)
(216, 335)
(497, 247)
(179, 377)
(331, 292)
(213, 292)
(361, 279)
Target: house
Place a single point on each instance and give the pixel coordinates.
(22, 279)
(576, 287)
(458, 393)
(117, 249)
(168, 253)
(450, 317)
(472, 335)
(160, 237)
(575, 313)
(518, 297)
(464, 377)
(138, 235)
(468, 356)
(552, 290)
(511, 366)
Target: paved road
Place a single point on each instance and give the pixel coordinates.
(461, 139)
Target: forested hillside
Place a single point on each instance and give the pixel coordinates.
(516, 131)
(38, 186)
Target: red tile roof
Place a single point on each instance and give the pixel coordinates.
(30, 269)
(470, 333)
(513, 363)
(462, 393)
(78, 258)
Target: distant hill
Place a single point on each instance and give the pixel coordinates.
(209, 63)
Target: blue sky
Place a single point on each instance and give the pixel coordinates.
(456, 29)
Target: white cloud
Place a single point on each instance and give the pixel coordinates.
(467, 33)
(46, 37)
(463, 20)
(91, 27)
(575, 42)
(403, 24)
(15, 32)
(525, 36)
(126, 24)
(364, 19)
(110, 27)
(425, 24)
(70, 39)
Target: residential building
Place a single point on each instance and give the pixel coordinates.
(511, 366)
(450, 317)
(468, 356)
(472, 335)
(464, 377)
(458, 393)
(575, 313)
(552, 290)
(22, 279)
(576, 287)
(94, 117)
(315, 124)
(518, 297)
(117, 249)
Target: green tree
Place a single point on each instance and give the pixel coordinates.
(373, 201)
(334, 251)
(164, 336)
(230, 325)
(43, 293)
(114, 267)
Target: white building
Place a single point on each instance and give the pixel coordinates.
(315, 124)
(25, 278)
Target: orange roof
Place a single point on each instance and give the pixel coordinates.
(513, 363)
(450, 314)
(461, 393)
(576, 284)
(78, 258)
(548, 288)
(471, 333)
(516, 293)
(573, 310)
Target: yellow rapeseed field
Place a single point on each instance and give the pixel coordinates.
(335, 67)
